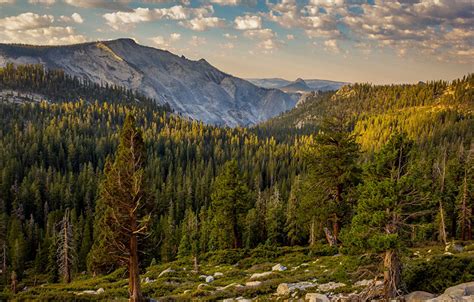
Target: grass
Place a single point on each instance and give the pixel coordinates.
(426, 268)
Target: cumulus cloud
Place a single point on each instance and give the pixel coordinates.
(203, 23)
(227, 45)
(123, 19)
(248, 22)
(33, 28)
(165, 42)
(7, 2)
(25, 21)
(75, 17)
(262, 34)
(440, 28)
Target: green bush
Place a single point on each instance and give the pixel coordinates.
(438, 274)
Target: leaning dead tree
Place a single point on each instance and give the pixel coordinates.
(66, 248)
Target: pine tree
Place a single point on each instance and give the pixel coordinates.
(230, 199)
(333, 172)
(123, 194)
(293, 226)
(388, 199)
(275, 218)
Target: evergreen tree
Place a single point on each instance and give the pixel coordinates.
(275, 218)
(230, 199)
(123, 195)
(388, 200)
(333, 172)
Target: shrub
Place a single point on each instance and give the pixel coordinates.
(438, 274)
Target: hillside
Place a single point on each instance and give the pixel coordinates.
(428, 112)
(193, 88)
(235, 201)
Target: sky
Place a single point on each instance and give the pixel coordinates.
(376, 41)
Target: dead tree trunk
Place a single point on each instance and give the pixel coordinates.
(312, 232)
(466, 215)
(329, 237)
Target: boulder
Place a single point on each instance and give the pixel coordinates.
(330, 286)
(418, 296)
(209, 279)
(253, 283)
(279, 268)
(260, 275)
(283, 289)
(287, 288)
(315, 297)
(166, 271)
(218, 274)
(202, 286)
(89, 292)
(100, 291)
(229, 286)
(460, 290)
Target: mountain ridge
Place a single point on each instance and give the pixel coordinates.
(193, 88)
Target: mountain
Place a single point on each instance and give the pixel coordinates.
(300, 84)
(193, 88)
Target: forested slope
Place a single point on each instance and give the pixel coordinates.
(214, 189)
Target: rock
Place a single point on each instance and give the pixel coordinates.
(463, 289)
(188, 291)
(202, 276)
(209, 279)
(166, 271)
(229, 286)
(279, 268)
(315, 297)
(253, 283)
(202, 285)
(100, 291)
(260, 275)
(218, 274)
(287, 288)
(148, 280)
(283, 289)
(448, 253)
(88, 292)
(330, 286)
(418, 296)
(364, 283)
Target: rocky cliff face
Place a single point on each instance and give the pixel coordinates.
(193, 88)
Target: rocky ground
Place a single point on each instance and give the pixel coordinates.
(432, 273)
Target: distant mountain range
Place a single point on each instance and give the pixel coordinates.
(299, 85)
(193, 88)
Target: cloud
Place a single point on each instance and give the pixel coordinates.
(438, 28)
(75, 17)
(31, 28)
(105, 4)
(248, 22)
(225, 2)
(269, 45)
(197, 41)
(123, 20)
(175, 37)
(290, 37)
(165, 43)
(229, 36)
(227, 45)
(332, 46)
(43, 2)
(262, 34)
(25, 21)
(7, 2)
(203, 23)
